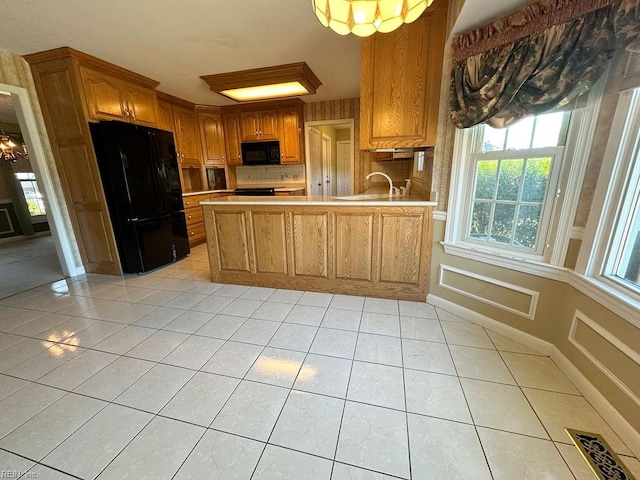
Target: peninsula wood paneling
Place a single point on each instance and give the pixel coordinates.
(374, 251)
(233, 245)
(269, 237)
(354, 246)
(310, 244)
(401, 239)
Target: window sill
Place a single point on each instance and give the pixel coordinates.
(521, 263)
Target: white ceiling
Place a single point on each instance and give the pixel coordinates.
(476, 13)
(175, 42)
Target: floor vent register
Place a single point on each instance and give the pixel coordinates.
(599, 455)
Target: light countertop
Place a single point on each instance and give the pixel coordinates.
(351, 201)
(204, 192)
(231, 190)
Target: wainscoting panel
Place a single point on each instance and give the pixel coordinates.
(506, 296)
(607, 352)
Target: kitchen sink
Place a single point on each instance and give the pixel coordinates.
(370, 196)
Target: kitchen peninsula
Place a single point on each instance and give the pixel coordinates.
(374, 245)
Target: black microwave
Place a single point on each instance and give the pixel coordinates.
(261, 153)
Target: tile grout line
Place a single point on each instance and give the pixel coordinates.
(406, 405)
(346, 393)
(288, 394)
(475, 427)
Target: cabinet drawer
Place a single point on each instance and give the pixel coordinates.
(194, 215)
(196, 232)
(192, 201)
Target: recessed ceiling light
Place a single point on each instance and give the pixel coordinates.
(291, 80)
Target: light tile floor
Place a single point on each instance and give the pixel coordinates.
(170, 376)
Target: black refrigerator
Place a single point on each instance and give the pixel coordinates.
(139, 172)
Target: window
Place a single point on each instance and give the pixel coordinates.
(31, 193)
(514, 175)
(621, 264)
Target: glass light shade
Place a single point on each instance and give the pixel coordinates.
(276, 90)
(365, 17)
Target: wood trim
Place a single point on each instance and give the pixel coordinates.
(292, 72)
(175, 100)
(63, 53)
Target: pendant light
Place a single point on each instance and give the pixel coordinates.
(365, 17)
(8, 151)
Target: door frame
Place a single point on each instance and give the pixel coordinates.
(325, 154)
(307, 154)
(338, 143)
(64, 239)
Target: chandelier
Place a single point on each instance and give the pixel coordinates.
(9, 149)
(365, 17)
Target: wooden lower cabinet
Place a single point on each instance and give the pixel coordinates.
(195, 217)
(375, 251)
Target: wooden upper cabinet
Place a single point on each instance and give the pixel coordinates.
(165, 116)
(259, 125)
(109, 97)
(212, 138)
(142, 105)
(105, 95)
(186, 135)
(268, 124)
(250, 126)
(400, 83)
(290, 131)
(231, 123)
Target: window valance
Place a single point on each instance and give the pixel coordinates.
(537, 59)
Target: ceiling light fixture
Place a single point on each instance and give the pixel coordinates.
(8, 148)
(291, 80)
(365, 17)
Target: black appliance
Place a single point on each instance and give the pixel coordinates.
(261, 153)
(139, 172)
(255, 192)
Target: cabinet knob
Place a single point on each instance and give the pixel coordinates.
(191, 233)
(189, 217)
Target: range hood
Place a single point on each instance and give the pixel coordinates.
(386, 154)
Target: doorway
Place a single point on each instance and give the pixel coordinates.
(33, 251)
(330, 157)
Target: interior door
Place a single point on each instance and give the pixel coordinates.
(315, 161)
(327, 170)
(343, 168)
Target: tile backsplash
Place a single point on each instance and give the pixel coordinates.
(270, 174)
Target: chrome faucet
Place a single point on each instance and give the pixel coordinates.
(391, 187)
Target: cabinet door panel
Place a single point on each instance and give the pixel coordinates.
(400, 243)
(354, 246)
(401, 109)
(104, 94)
(310, 245)
(250, 124)
(186, 133)
(268, 125)
(142, 104)
(269, 236)
(231, 234)
(212, 137)
(232, 138)
(289, 136)
(165, 116)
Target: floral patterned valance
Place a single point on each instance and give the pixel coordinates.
(498, 80)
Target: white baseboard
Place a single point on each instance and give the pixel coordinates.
(498, 327)
(616, 421)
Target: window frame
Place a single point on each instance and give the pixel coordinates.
(611, 200)
(547, 206)
(34, 181)
(577, 149)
